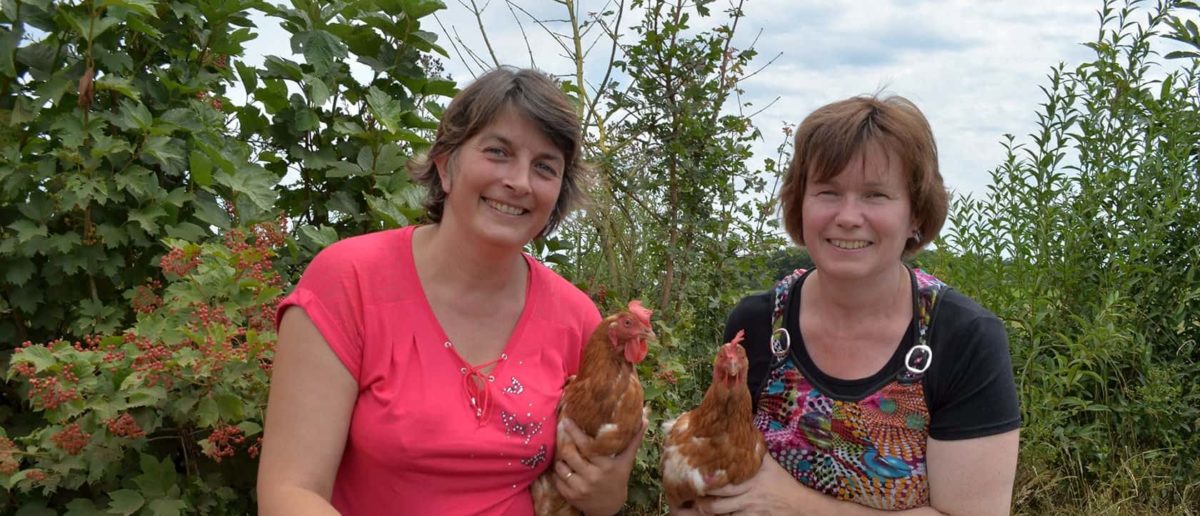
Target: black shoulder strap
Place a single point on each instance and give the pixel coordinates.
(781, 341)
(919, 357)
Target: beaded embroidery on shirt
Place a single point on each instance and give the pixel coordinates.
(870, 451)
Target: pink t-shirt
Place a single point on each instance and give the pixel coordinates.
(416, 444)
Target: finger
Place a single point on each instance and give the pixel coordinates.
(703, 505)
(731, 490)
(575, 461)
(563, 471)
(563, 482)
(582, 440)
(723, 504)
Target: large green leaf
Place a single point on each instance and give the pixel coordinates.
(209, 212)
(318, 92)
(164, 149)
(385, 109)
(147, 217)
(321, 236)
(125, 502)
(133, 116)
(27, 230)
(158, 478)
(230, 407)
(119, 85)
(200, 168)
(251, 181)
(249, 77)
(320, 48)
(83, 507)
(40, 356)
(18, 271)
(207, 412)
(416, 9)
(8, 45)
(139, 181)
(142, 7)
(167, 507)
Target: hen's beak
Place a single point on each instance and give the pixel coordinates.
(734, 368)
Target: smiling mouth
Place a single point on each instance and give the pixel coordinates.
(506, 209)
(849, 244)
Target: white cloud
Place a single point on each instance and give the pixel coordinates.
(973, 66)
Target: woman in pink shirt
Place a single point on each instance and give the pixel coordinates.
(418, 369)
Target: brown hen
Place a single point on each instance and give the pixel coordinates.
(715, 444)
(604, 399)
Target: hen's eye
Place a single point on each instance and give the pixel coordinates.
(626, 322)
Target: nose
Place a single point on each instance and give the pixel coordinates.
(518, 179)
(849, 212)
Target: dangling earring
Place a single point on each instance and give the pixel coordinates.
(916, 238)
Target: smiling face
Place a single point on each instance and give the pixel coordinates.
(502, 183)
(856, 223)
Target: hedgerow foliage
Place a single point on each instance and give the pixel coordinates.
(1086, 245)
(134, 142)
(166, 415)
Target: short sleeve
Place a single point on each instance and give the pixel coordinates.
(974, 394)
(562, 304)
(329, 293)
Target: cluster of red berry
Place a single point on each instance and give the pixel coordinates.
(152, 361)
(212, 100)
(255, 448)
(145, 297)
(124, 426)
(71, 439)
(261, 317)
(47, 392)
(222, 441)
(255, 260)
(180, 262)
(218, 354)
(8, 460)
(207, 316)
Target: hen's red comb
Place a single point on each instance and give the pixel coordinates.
(737, 339)
(640, 312)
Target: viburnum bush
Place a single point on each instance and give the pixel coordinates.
(164, 417)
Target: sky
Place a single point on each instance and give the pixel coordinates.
(975, 67)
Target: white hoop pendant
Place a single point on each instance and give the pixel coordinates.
(780, 347)
(918, 359)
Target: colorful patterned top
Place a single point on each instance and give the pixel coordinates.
(425, 437)
(865, 440)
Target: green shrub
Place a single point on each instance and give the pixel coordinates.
(166, 414)
(1085, 245)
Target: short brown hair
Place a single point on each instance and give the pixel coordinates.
(836, 133)
(532, 94)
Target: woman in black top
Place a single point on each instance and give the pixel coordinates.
(877, 387)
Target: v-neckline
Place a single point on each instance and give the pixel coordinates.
(431, 316)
